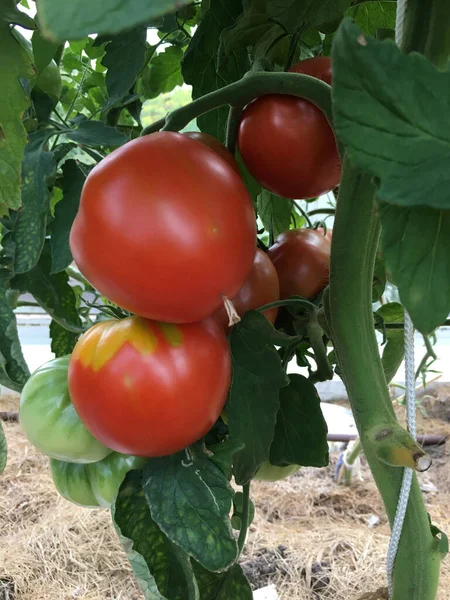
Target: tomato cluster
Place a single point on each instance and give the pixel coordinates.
(166, 230)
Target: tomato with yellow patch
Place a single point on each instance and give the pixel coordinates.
(147, 388)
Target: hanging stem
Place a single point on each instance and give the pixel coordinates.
(245, 515)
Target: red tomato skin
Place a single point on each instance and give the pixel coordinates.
(165, 228)
(261, 287)
(317, 66)
(302, 260)
(288, 145)
(328, 235)
(214, 143)
(150, 398)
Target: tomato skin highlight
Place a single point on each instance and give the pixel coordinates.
(165, 228)
(302, 260)
(317, 66)
(150, 389)
(261, 287)
(214, 143)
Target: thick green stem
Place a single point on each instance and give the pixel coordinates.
(245, 90)
(348, 305)
(245, 515)
(234, 117)
(426, 30)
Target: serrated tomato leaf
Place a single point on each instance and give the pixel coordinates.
(62, 340)
(96, 133)
(161, 569)
(253, 401)
(65, 213)
(14, 371)
(82, 17)
(3, 449)
(52, 292)
(416, 248)
(231, 585)
(199, 65)
(371, 16)
(196, 517)
(163, 73)
(301, 430)
(390, 112)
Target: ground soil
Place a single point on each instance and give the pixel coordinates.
(313, 539)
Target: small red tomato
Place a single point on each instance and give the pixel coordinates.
(318, 66)
(302, 260)
(214, 143)
(150, 389)
(260, 288)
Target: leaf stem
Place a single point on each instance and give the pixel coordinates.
(234, 118)
(245, 515)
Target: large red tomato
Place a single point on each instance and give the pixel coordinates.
(287, 143)
(150, 389)
(318, 66)
(214, 143)
(260, 288)
(302, 260)
(165, 228)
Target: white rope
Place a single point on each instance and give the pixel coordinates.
(410, 384)
(405, 489)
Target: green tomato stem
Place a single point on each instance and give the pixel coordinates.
(315, 335)
(245, 516)
(234, 118)
(348, 310)
(250, 87)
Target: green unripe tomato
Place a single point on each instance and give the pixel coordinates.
(49, 419)
(268, 472)
(94, 484)
(49, 81)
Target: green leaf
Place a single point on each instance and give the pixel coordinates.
(13, 368)
(199, 63)
(275, 212)
(231, 585)
(82, 17)
(371, 16)
(254, 397)
(238, 508)
(124, 59)
(390, 112)
(43, 50)
(163, 74)
(9, 13)
(301, 430)
(15, 64)
(3, 449)
(96, 133)
(394, 349)
(416, 249)
(63, 341)
(443, 539)
(52, 292)
(379, 279)
(252, 29)
(222, 455)
(196, 516)
(304, 14)
(31, 222)
(161, 569)
(65, 213)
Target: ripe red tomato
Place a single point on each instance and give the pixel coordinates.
(318, 66)
(302, 260)
(165, 228)
(287, 143)
(214, 143)
(260, 288)
(150, 389)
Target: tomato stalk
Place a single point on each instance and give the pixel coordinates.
(245, 516)
(348, 309)
(251, 86)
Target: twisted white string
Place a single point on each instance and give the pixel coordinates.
(410, 384)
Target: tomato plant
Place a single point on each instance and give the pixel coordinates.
(261, 287)
(302, 260)
(182, 203)
(138, 237)
(153, 393)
